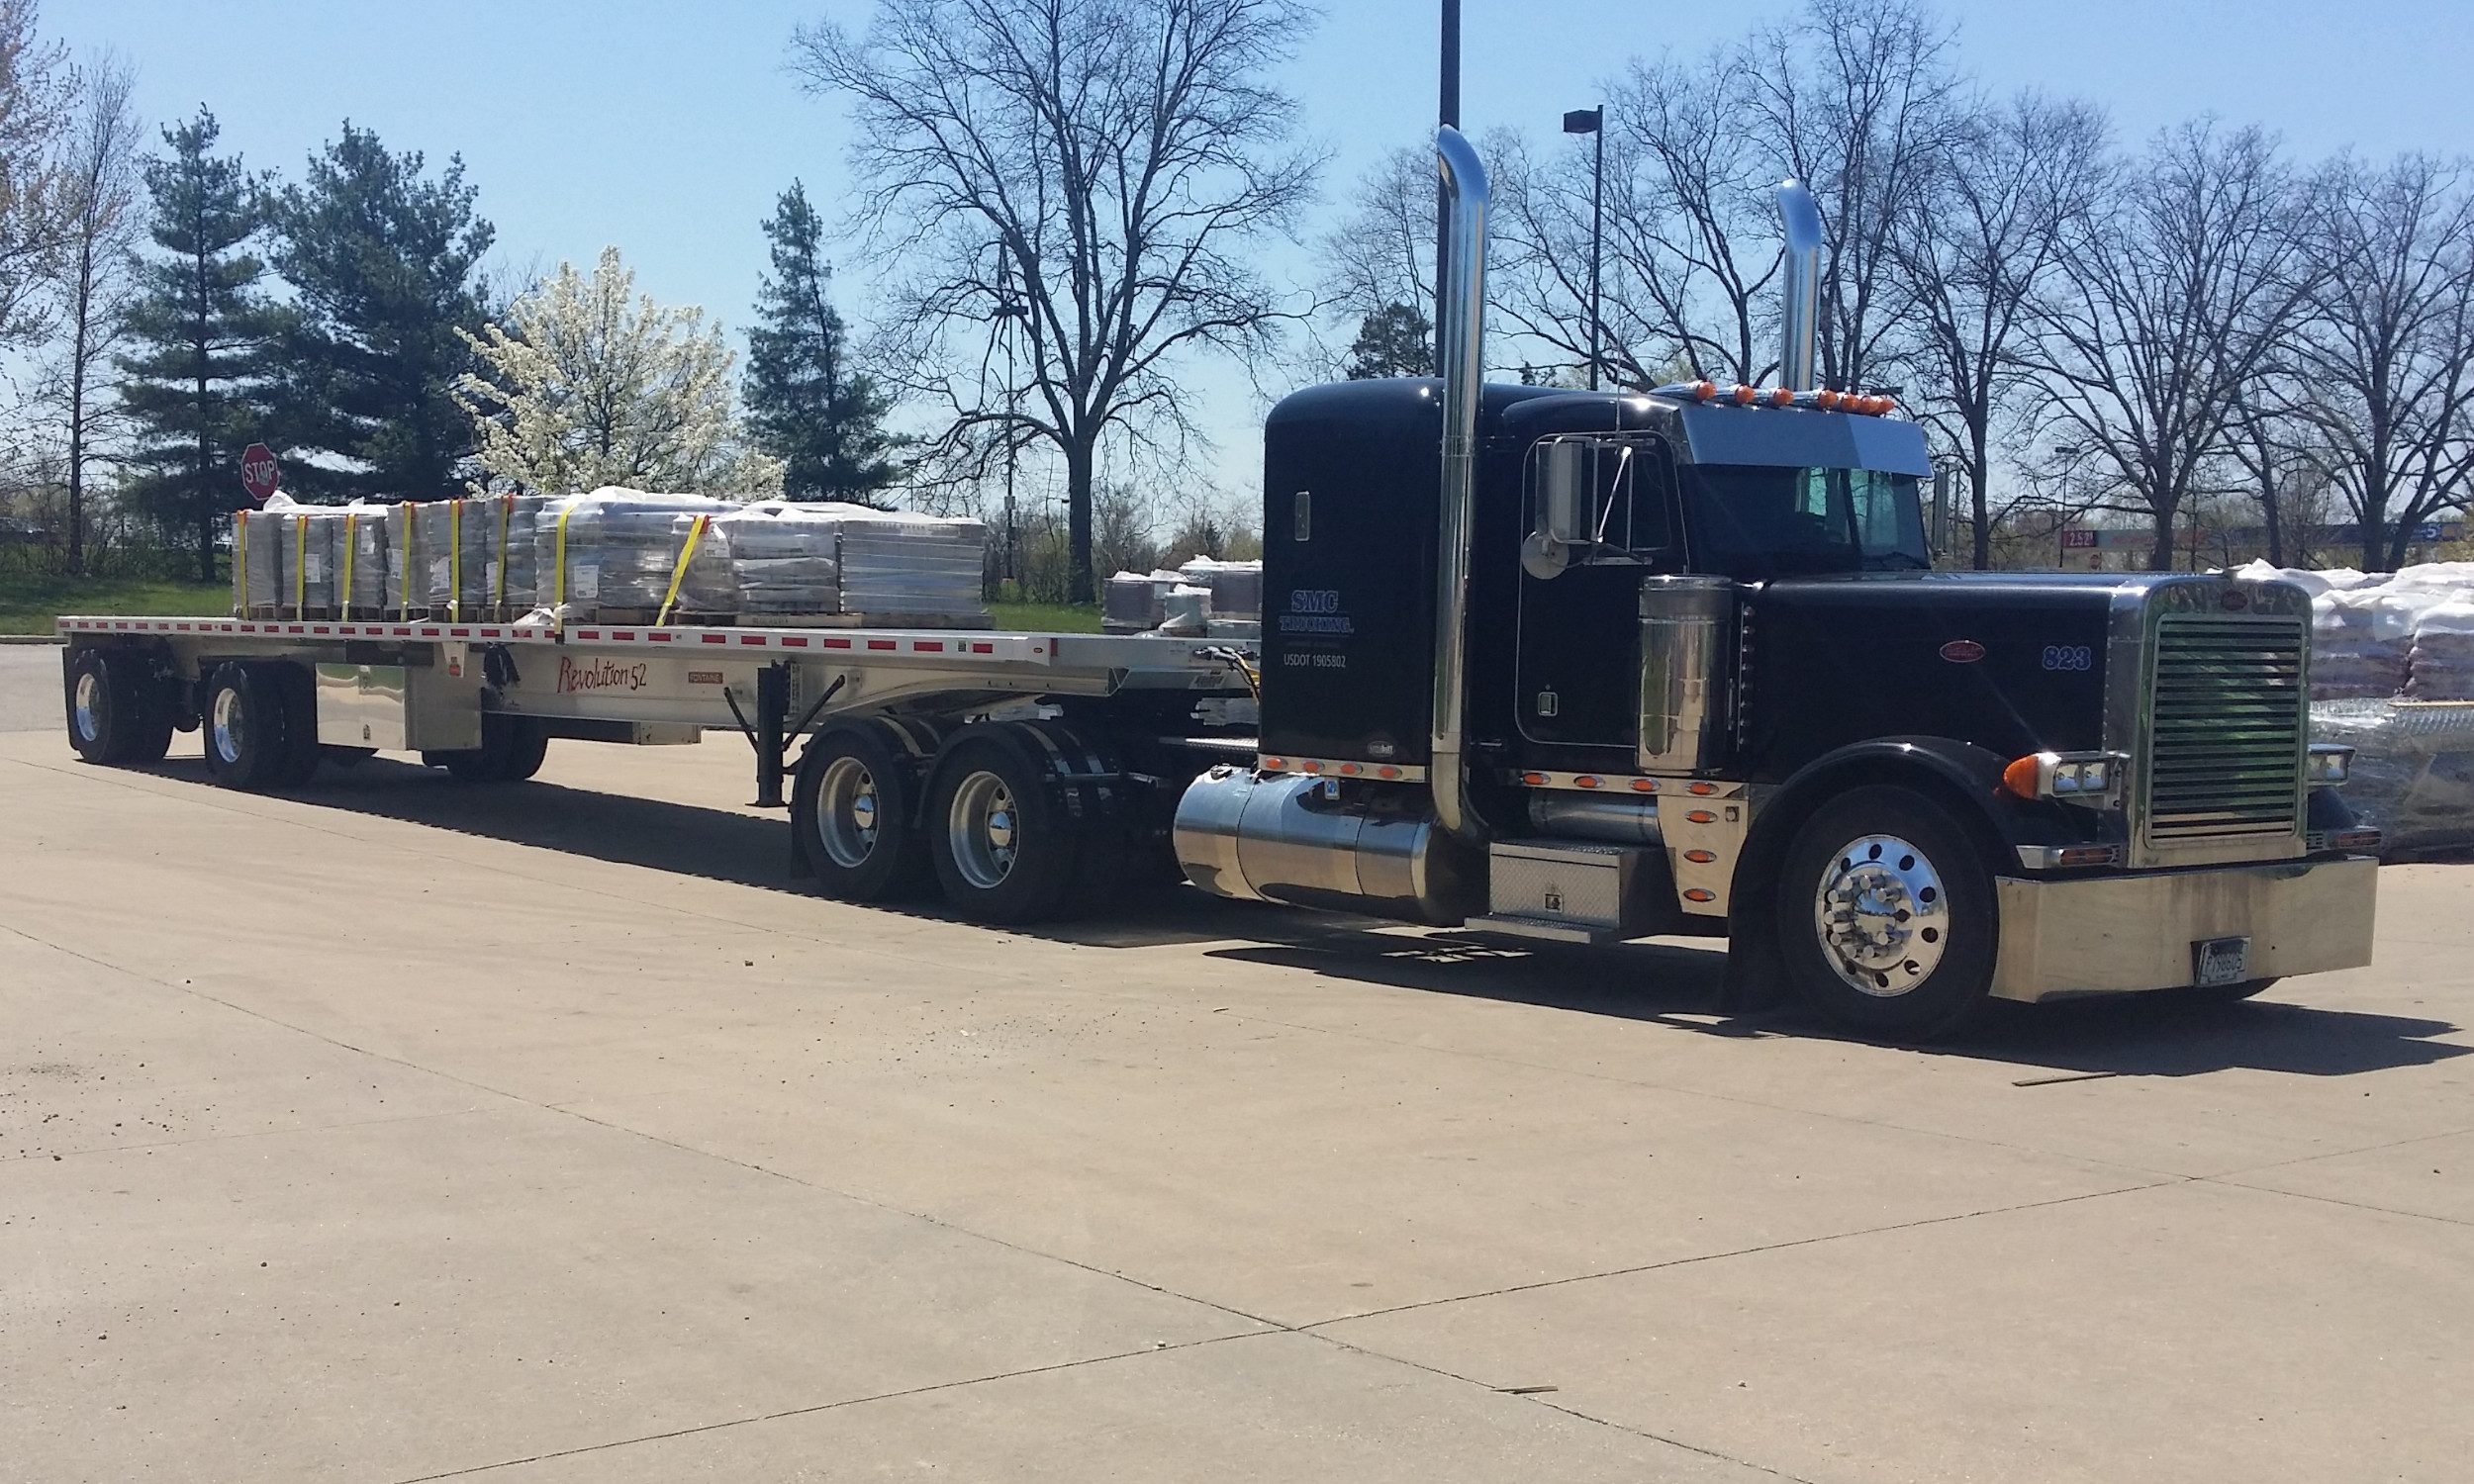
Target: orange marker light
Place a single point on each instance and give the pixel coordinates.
(1744, 394)
(1826, 400)
(1702, 816)
(1781, 396)
(1703, 391)
(1586, 780)
(2020, 777)
(1700, 893)
(1645, 786)
(1700, 857)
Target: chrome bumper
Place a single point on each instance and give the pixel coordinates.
(2106, 935)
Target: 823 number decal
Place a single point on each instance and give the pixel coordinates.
(2069, 657)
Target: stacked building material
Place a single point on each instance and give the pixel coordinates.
(616, 552)
(911, 566)
(1236, 586)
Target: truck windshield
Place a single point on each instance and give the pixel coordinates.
(1752, 520)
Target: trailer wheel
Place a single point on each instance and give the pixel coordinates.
(1006, 851)
(116, 712)
(1885, 915)
(244, 727)
(853, 816)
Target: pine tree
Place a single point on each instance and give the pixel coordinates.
(1393, 341)
(196, 384)
(387, 268)
(807, 404)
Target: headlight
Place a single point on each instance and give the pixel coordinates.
(2329, 763)
(2082, 778)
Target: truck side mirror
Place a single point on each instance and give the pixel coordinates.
(1566, 508)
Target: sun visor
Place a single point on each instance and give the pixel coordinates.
(1803, 438)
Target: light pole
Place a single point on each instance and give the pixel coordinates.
(1592, 121)
(1008, 310)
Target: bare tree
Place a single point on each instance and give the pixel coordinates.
(37, 92)
(1090, 172)
(2386, 350)
(2170, 295)
(1691, 239)
(100, 185)
(1861, 103)
(1974, 256)
(1383, 252)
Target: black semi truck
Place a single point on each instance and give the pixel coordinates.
(1553, 664)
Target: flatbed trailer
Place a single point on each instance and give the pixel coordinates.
(1070, 750)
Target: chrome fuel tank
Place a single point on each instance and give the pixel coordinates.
(1316, 842)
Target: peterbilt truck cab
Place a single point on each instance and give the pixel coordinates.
(1582, 666)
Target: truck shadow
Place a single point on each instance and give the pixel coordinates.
(1680, 985)
(1672, 983)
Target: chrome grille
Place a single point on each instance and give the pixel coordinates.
(2224, 741)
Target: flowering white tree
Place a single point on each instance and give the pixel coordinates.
(595, 386)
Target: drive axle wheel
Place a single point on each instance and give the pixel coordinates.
(1886, 913)
(853, 813)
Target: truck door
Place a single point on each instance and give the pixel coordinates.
(1578, 661)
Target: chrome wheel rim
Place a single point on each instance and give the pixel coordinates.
(1882, 915)
(847, 812)
(984, 830)
(230, 725)
(87, 703)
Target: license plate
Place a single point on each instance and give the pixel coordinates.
(2221, 960)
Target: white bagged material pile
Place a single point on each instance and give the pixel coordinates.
(1135, 602)
(613, 548)
(2413, 770)
(1204, 594)
(2440, 665)
(2367, 631)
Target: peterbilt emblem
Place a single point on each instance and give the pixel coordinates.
(1962, 651)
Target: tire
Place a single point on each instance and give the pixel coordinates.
(1885, 915)
(297, 685)
(245, 732)
(854, 814)
(116, 711)
(511, 751)
(1007, 849)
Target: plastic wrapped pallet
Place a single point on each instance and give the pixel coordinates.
(304, 538)
(2359, 642)
(613, 548)
(261, 561)
(773, 557)
(908, 566)
(1131, 603)
(2440, 665)
(360, 547)
(1236, 586)
(456, 541)
(2413, 770)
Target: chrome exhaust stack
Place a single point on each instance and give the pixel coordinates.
(1800, 277)
(1459, 356)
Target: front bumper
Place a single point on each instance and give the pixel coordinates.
(2106, 935)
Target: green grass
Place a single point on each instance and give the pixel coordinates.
(1047, 617)
(30, 602)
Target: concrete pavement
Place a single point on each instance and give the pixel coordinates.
(402, 1130)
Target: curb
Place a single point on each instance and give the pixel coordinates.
(31, 639)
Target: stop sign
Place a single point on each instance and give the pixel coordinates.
(257, 472)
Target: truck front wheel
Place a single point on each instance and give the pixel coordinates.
(1885, 915)
(853, 809)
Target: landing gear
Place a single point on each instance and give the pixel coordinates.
(1885, 915)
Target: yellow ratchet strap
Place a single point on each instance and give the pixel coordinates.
(454, 561)
(404, 586)
(300, 568)
(678, 574)
(558, 587)
(343, 588)
(240, 573)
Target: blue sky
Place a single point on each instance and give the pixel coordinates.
(668, 129)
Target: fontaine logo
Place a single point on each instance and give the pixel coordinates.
(598, 675)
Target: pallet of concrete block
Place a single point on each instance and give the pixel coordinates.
(1223, 599)
(2412, 770)
(613, 554)
(467, 558)
(291, 560)
(778, 560)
